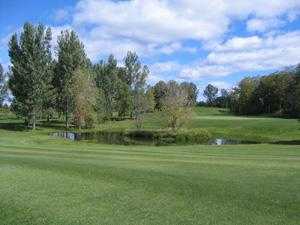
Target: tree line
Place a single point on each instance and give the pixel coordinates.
(68, 85)
(277, 94)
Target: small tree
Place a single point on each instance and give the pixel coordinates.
(176, 105)
(84, 93)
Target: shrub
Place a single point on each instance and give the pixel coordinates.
(195, 136)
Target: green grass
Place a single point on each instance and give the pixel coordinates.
(254, 128)
(47, 181)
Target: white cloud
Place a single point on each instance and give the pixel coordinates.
(248, 54)
(205, 70)
(154, 21)
(262, 25)
(162, 26)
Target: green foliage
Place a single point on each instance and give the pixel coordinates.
(273, 94)
(124, 99)
(193, 136)
(136, 75)
(116, 92)
(160, 91)
(210, 93)
(31, 71)
(176, 105)
(70, 58)
(83, 92)
(192, 92)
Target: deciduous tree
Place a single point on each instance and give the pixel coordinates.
(30, 81)
(210, 93)
(71, 57)
(84, 94)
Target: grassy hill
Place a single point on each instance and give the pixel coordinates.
(47, 180)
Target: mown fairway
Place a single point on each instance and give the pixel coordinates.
(45, 180)
(57, 182)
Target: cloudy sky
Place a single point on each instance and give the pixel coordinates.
(204, 41)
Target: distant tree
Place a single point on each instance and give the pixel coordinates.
(136, 75)
(192, 92)
(3, 86)
(294, 94)
(159, 92)
(175, 106)
(71, 57)
(245, 97)
(84, 93)
(31, 71)
(224, 99)
(210, 93)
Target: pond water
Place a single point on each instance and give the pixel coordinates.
(120, 138)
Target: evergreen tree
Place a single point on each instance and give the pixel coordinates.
(30, 81)
(70, 58)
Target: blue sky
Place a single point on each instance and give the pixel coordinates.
(204, 41)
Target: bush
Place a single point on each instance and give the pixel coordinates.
(195, 136)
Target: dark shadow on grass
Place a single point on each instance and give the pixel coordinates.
(13, 126)
(291, 142)
(55, 124)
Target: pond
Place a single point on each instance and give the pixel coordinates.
(121, 139)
